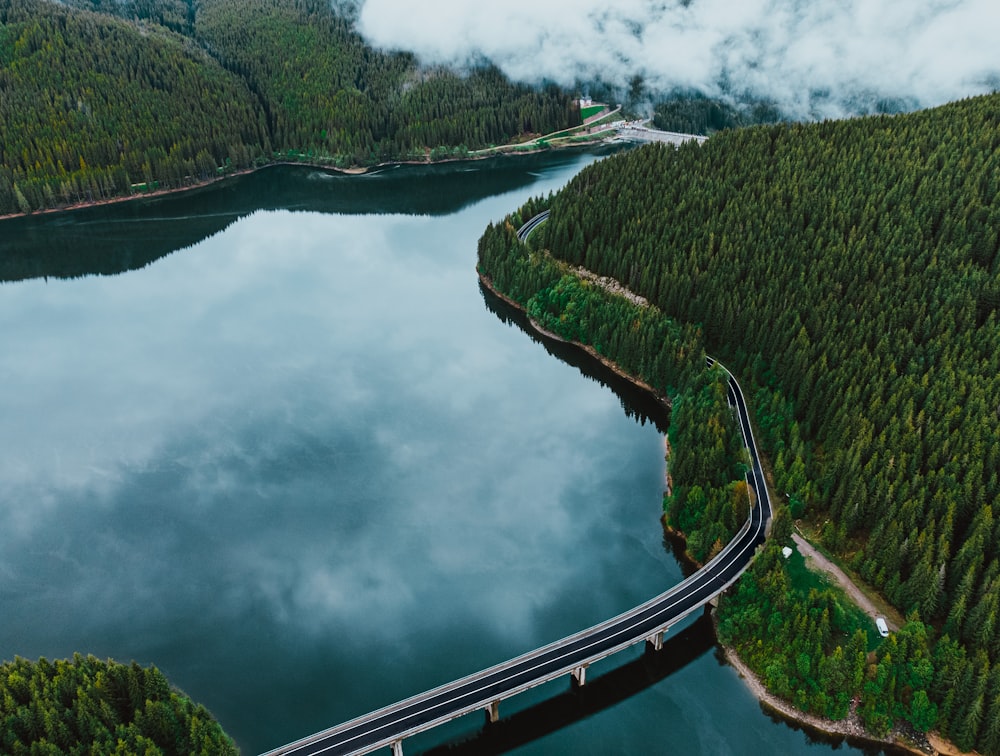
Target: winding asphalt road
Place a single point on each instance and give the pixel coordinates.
(478, 691)
(525, 231)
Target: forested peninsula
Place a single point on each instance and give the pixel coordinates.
(849, 273)
(89, 706)
(107, 98)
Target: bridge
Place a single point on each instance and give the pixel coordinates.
(570, 656)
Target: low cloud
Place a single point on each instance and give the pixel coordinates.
(811, 59)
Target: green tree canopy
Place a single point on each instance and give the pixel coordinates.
(849, 273)
(88, 706)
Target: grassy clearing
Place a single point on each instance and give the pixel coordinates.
(804, 580)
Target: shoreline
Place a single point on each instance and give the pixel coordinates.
(502, 151)
(612, 366)
(141, 195)
(849, 729)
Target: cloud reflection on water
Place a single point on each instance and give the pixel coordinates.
(207, 464)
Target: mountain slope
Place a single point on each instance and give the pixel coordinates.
(90, 105)
(147, 94)
(850, 271)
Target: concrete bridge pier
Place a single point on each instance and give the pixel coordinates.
(655, 641)
(492, 714)
(397, 748)
(579, 676)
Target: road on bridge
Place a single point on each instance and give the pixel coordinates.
(525, 231)
(389, 726)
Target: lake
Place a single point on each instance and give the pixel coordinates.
(271, 437)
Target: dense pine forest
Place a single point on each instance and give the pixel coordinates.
(693, 113)
(102, 99)
(849, 272)
(88, 706)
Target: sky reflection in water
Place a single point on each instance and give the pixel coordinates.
(305, 434)
(302, 469)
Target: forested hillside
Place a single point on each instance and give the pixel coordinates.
(692, 113)
(90, 105)
(849, 272)
(109, 98)
(96, 707)
(328, 94)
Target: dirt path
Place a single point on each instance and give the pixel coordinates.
(815, 560)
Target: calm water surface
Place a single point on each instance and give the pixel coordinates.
(301, 466)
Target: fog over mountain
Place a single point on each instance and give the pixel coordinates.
(812, 59)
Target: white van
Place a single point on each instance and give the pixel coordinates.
(883, 629)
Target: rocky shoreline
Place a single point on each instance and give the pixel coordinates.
(850, 728)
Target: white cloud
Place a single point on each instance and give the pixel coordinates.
(813, 58)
